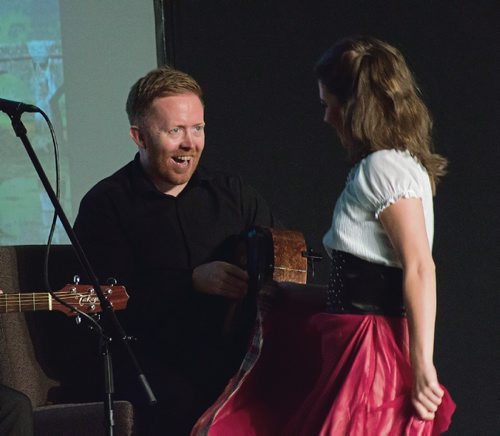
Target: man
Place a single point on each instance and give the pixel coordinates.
(166, 229)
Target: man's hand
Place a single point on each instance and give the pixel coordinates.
(221, 278)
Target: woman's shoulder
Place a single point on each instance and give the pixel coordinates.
(392, 163)
(390, 158)
(388, 174)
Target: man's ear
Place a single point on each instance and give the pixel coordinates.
(136, 135)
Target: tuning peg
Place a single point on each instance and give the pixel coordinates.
(78, 319)
(111, 281)
(76, 279)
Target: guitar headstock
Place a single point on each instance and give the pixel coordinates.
(84, 298)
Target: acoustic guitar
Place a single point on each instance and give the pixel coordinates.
(82, 297)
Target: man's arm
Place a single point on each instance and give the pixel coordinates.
(223, 278)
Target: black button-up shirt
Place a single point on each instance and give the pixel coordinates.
(150, 242)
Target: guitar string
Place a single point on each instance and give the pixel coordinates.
(42, 297)
(30, 295)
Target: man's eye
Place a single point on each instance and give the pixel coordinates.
(198, 130)
(175, 131)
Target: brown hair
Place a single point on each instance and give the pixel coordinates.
(161, 82)
(380, 103)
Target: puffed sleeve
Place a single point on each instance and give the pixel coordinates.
(386, 176)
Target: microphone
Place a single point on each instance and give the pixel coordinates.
(11, 107)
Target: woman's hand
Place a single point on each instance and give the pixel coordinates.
(427, 393)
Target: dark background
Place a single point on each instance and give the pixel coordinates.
(254, 60)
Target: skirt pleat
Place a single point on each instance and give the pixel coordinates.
(327, 374)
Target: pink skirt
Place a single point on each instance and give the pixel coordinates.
(324, 374)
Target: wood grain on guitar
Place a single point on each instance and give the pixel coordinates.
(83, 297)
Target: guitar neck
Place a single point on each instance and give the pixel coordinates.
(23, 302)
(70, 299)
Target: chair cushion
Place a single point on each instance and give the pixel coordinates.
(82, 419)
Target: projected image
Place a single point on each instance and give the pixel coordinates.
(31, 71)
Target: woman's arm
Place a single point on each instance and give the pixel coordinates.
(405, 226)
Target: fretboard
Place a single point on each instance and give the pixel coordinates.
(22, 302)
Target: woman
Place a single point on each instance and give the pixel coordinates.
(365, 364)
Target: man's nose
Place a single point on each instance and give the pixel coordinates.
(188, 141)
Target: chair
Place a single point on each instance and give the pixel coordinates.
(48, 356)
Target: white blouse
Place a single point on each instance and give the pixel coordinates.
(376, 182)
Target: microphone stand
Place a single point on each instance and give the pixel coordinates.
(107, 309)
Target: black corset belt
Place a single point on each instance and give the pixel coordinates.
(360, 287)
